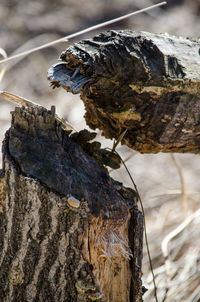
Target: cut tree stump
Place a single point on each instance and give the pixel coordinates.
(69, 232)
(146, 83)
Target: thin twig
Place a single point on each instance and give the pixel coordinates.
(2, 72)
(29, 44)
(71, 36)
(176, 231)
(145, 231)
(182, 181)
(13, 98)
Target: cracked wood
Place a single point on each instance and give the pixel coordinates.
(146, 83)
(69, 232)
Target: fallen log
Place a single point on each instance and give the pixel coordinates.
(69, 232)
(147, 84)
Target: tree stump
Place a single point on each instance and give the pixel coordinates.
(147, 84)
(69, 232)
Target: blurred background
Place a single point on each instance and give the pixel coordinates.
(168, 184)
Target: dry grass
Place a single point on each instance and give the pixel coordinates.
(173, 234)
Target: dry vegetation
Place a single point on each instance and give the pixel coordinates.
(169, 185)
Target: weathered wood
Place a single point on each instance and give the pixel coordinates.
(146, 83)
(69, 232)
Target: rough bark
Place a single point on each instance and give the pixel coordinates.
(146, 83)
(68, 231)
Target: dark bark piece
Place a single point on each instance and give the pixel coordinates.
(69, 232)
(146, 83)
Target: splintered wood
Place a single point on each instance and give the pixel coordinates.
(69, 232)
(147, 84)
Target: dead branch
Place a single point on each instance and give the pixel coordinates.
(146, 83)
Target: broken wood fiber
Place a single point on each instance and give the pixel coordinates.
(69, 232)
(146, 83)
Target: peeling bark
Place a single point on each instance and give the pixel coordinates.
(69, 232)
(146, 83)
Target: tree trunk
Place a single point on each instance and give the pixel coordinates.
(147, 84)
(69, 232)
